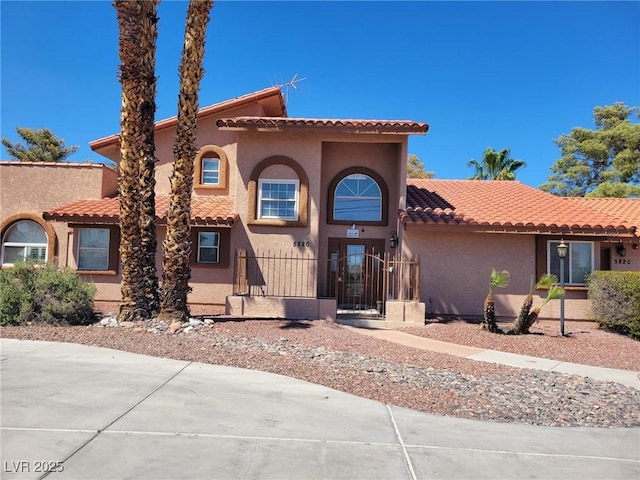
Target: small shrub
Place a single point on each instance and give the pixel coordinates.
(615, 298)
(42, 293)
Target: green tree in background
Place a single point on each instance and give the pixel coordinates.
(600, 162)
(415, 168)
(41, 145)
(495, 165)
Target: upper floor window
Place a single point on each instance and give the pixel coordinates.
(278, 193)
(210, 171)
(24, 241)
(278, 199)
(211, 167)
(578, 263)
(358, 197)
(93, 249)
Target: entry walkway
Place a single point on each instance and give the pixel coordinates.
(624, 377)
(83, 412)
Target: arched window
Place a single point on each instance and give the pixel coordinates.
(24, 240)
(211, 168)
(358, 195)
(278, 192)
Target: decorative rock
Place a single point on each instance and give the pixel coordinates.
(174, 327)
(109, 322)
(188, 329)
(127, 324)
(194, 322)
(209, 321)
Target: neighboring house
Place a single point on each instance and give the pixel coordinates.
(309, 218)
(27, 189)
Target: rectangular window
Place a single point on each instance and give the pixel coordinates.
(210, 171)
(93, 249)
(208, 247)
(278, 199)
(577, 264)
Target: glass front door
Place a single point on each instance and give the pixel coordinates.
(355, 275)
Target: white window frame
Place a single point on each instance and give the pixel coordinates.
(568, 258)
(295, 200)
(357, 197)
(204, 170)
(27, 246)
(215, 247)
(97, 249)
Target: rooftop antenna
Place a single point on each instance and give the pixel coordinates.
(291, 83)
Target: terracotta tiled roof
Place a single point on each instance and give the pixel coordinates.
(271, 99)
(205, 210)
(348, 125)
(501, 206)
(626, 209)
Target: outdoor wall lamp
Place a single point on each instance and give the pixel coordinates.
(562, 252)
(621, 250)
(393, 239)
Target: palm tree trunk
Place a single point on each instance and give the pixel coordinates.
(148, 230)
(176, 272)
(521, 325)
(490, 322)
(136, 21)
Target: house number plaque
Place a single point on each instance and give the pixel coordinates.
(301, 243)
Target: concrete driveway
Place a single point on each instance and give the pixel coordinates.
(92, 413)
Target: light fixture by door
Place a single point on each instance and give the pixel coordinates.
(621, 250)
(393, 239)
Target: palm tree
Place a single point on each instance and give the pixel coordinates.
(527, 316)
(495, 165)
(137, 33)
(496, 280)
(177, 244)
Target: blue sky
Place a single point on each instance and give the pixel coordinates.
(500, 74)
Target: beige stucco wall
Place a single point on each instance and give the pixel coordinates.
(455, 269)
(51, 185)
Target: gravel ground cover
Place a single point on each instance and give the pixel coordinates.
(328, 354)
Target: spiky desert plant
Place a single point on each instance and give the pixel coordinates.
(496, 280)
(177, 244)
(553, 293)
(137, 33)
(520, 325)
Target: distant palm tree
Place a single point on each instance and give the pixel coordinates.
(137, 39)
(496, 165)
(177, 244)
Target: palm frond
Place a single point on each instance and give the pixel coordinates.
(498, 279)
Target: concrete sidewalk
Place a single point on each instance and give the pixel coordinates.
(89, 412)
(625, 377)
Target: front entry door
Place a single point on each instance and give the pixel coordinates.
(356, 277)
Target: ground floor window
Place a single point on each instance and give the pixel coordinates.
(578, 263)
(93, 249)
(208, 247)
(24, 241)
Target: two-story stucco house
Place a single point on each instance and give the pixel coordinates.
(310, 218)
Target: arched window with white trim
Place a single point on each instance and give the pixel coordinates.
(23, 241)
(358, 197)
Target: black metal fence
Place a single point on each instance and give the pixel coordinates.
(274, 274)
(379, 277)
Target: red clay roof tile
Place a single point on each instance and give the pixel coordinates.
(349, 125)
(626, 209)
(271, 98)
(205, 210)
(503, 205)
